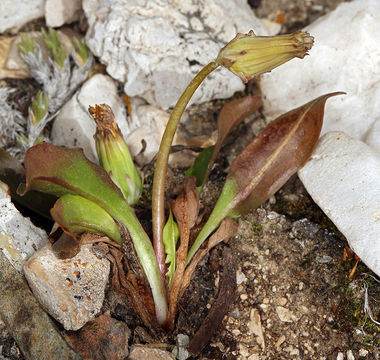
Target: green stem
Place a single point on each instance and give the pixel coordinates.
(158, 195)
(145, 253)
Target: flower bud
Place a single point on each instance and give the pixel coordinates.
(113, 153)
(248, 55)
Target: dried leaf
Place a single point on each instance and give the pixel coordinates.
(232, 114)
(220, 307)
(185, 208)
(75, 214)
(278, 152)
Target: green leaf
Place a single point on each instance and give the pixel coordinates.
(75, 214)
(81, 50)
(170, 238)
(60, 171)
(27, 45)
(54, 45)
(39, 107)
(277, 153)
(199, 168)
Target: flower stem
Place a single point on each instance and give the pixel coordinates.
(158, 194)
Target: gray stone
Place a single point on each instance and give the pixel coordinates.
(71, 290)
(156, 47)
(336, 63)
(285, 314)
(16, 13)
(342, 177)
(19, 238)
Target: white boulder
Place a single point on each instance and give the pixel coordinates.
(343, 177)
(156, 47)
(16, 13)
(345, 57)
(19, 238)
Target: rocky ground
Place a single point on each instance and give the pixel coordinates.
(294, 299)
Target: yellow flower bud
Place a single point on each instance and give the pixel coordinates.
(248, 55)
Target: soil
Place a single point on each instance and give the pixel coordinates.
(294, 299)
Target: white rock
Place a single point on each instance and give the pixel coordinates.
(255, 328)
(156, 47)
(285, 314)
(350, 355)
(71, 290)
(19, 238)
(345, 57)
(342, 177)
(16, 13)
(74, 126)
(148, 124)
(59, 12)
(372, 138)
(340, 356)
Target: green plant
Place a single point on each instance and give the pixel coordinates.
(100, 197)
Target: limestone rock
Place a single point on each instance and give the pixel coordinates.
(71, 290)
(74, 126)
(16, 13)
(345, 57)
(59, 12)
(19, 238)
(156, 47)
(342, 177)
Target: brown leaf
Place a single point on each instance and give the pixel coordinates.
(186, 206)
(185, 209)
(232, 114)
(226, 230)
(220, 307)
(104, 338)
(278, 152)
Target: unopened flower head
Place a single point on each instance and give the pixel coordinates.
(248, 55)
(113, 153)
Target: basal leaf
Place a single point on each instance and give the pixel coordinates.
(60, 171)
(278, 152)
(170, 238)
(75, 214)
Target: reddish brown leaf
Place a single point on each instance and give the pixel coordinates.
(276, 153)
(232, 114)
